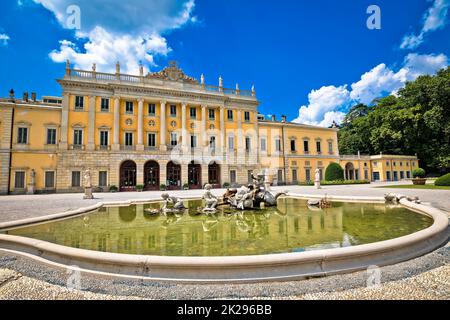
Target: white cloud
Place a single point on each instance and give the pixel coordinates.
(323, 101)
(376, 82)
(433, 19)
(328, 103)
(419, 64)
(4, 38)
(119, 31)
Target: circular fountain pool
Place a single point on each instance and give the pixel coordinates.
(289, 227)
(288, 242)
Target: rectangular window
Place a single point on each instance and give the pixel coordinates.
(293, 148)
(280, 176)
(249, 176)
(318, 146)
(308, 174)
(51, 136)
(22, 137)
(330, 147)
(230, 115)
(306, 146)
(129, 107)
(247, 116)
(402, 175)
(77, 137)
(388, 175)
(102, 178)
(231, 143)
(79, 103)
(193, 113)
(294, 176)
(104, 105)
(173, 139)
(173, 110)
(49, 179)
(128, 138)
(277, 145)
(19, 180)
(193, 141)
(212, 114)
(104, 138)
(152, 140)
(76, 179)
(408, 174)
(233, 176)
(248, 144)
(151, 109)
(263, 144)
(366, 175)
(212, 143)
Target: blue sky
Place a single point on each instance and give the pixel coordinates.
(310, 60)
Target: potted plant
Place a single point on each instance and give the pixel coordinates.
(419, 176)
(163, 187)
(186, 186)
(113, 189)
(226, 185)
(139, 187)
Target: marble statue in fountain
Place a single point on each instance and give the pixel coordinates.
(211, 200)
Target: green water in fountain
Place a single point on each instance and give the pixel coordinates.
(291, 227)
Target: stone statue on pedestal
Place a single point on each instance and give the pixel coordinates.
(88, 185)
(317, 179)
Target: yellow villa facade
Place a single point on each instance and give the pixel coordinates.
(163, 128)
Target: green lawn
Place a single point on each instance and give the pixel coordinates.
(412, 186)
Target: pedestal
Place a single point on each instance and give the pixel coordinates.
(30, 189)
(88, 194)
(317, 184)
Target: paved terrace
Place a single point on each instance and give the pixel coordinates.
(25, 206)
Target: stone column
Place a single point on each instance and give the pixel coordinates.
(222, 129)
(239, 138)
(183, 128)
(162, 172)
(64, 121)
(140, 126)
(256, 135)
(163, 145)
(203, 127)
(184, 174)
(91, 124)
(116, 129)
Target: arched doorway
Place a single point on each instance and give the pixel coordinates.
(214, 175)
(151, 176)
(194, 175)
(173, 176)
(128, 176)
(349, 171)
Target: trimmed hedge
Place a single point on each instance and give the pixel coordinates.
(334, 172)
(335, 183)
(418, 173)
(443, 181)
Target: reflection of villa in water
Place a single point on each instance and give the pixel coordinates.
(290, 227)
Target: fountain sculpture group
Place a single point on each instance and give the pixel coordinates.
(253, 196)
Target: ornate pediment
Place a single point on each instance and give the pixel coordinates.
(172, 73)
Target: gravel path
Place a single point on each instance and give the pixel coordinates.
(426, 277)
